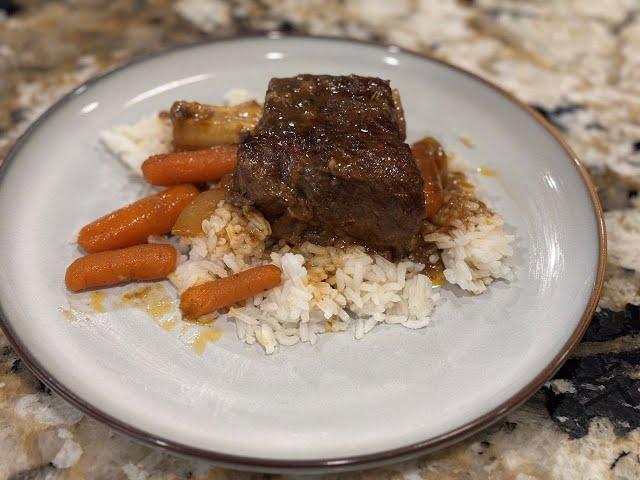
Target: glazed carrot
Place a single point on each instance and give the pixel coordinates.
(190, 166)
(131, 225)
(431, 161)
(209, 297)
(141, 262)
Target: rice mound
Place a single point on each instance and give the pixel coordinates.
(324, 289)
(474, 252)
(474, 247)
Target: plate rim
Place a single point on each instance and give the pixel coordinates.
(334, 464)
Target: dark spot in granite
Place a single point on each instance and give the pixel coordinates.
(137, 6)
(18, 115)
(239, 16)
(603, 388)
(607, 324)
(16, 366)
(569, 108)
(633, 194)
(37, 68)
(626, 21)
(509, 426)
(286, 26)
(156, 21)
(484, 445)
(549, 117)
(43, 388)
(595, 126)
(636, 146)
(617, 459)
(36, 473)
(552, 115)
(10, 7)
(507, 12)
(494, 11)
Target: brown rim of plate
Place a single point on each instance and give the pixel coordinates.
(323, 464)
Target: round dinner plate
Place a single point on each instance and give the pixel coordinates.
(342, 402)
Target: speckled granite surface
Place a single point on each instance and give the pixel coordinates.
(576, 61)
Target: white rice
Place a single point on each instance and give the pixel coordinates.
(474, 254)
(334, 289)
(133, 144)
(324, 289)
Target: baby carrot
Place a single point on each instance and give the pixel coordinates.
(190, 166)
(208, 297)
(141, 262)
(131, 225)
(427, 156)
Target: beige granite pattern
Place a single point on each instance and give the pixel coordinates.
(578, 61)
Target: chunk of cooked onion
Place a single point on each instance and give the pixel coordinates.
(189, 223)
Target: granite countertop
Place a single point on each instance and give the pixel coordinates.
(576, 61)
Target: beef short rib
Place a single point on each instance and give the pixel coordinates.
(328, 163)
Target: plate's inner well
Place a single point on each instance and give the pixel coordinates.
(339, 398)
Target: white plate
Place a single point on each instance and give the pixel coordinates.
(342, 402)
